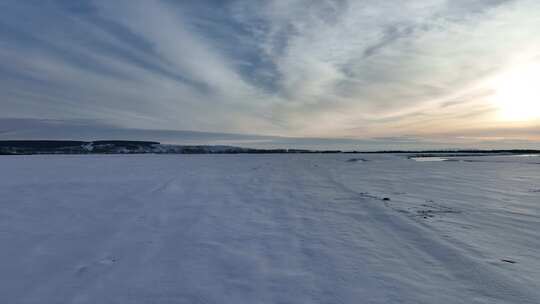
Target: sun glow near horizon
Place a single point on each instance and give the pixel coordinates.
(517, 94)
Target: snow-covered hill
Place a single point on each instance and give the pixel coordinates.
(118, 147)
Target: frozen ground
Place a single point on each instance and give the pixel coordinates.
(269, 229)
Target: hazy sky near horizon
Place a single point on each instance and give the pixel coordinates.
(439, 69)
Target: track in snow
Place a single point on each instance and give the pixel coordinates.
(227, 229)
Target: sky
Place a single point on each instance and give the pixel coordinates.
(425, 73)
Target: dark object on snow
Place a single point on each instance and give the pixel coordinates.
(508, 261)
(386, 199)
(353, 160)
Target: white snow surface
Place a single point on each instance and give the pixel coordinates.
(269, 229)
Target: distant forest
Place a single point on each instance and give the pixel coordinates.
(26, 147)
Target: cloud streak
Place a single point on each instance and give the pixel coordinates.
(354, 69)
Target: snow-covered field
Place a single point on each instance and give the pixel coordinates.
(269, 229)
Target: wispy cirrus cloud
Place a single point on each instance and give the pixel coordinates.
(298, 68)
